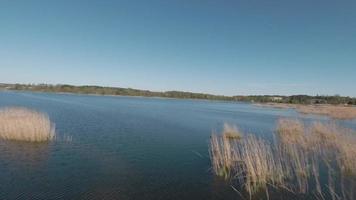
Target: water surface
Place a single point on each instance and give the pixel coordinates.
(126, 147)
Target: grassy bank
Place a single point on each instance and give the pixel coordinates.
(297, 160)
(334, 111)
(338, 112)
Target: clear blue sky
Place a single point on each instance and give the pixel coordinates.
(220, 47)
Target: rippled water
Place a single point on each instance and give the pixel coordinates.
(125, 147)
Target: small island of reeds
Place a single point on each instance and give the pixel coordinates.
(23, 124)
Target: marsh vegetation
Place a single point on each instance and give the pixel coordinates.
(337, 112)
(334, 111)
(23, 124)
(296, 160)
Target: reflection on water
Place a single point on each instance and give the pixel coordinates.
(126, 148)
(19, 156)
(20, 162)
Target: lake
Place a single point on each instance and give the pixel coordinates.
(126, 147)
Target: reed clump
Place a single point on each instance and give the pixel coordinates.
(320, 145)
(222, 153)
(291, 131)
(257, 167)
(248, 159)
(22, 124)
(327, 140)
(231, 132)
(292, 160)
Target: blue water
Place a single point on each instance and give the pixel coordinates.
(125, 147)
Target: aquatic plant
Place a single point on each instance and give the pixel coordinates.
(334, 111)
(291, 161)
(231, 132)
(337, 112)
(324, 139)
(222, 152)
(248, 159)
(23, 124)
(320, 145)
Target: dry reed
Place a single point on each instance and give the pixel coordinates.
(276, 105)
(319, 145)
(324, 139)
(23, 124)
(334, 111)
(231, 132)
(337, 112)
(248, 159)
(222, 152)
(292, 161)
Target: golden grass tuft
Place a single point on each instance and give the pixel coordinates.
(323, 139)
(222, 154)
(290, 131)
(292, 161)
(319, 145)
(23, 124)
(248, 159)
(231, 132)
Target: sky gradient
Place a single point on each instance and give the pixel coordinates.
(219, 47)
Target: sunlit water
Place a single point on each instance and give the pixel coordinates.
(126, 147)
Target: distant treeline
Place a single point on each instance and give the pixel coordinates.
(88, 89)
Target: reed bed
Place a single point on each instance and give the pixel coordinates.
(276, 105)
(323, 139)
(337, 112)
(334, 111)
(248, 159)
(320, 145)
(22, 124)
(292, 161)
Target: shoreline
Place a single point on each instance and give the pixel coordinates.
(134, 96)
(340, 111)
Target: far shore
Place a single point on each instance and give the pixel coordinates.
(119, 95)
(339, 111)
(175, 94)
